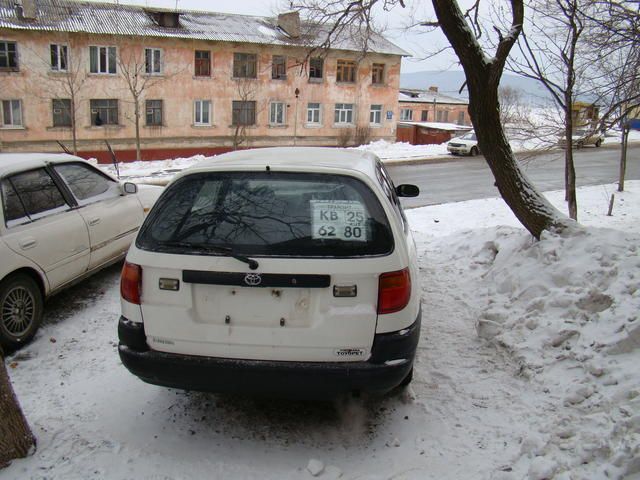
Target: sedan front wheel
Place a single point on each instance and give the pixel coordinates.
(21, 306)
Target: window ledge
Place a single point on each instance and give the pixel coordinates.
(375, 125)
(245, 78)
(279, 78)
(102, 75)
(379, 85)
(60, 128)
(9, 70)
(344, 125)
(316, 80)
(104, 127)
(13, 127)
(346, 84)
(277, 125)
(203, 77)
(312, 125)
(154, 127)
(58, 73)
(248, 127)
(202, 125)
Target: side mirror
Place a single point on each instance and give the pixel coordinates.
(129, 188)
(407, 190)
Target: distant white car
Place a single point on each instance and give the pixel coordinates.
(583, 137)
(61, 220)
(467, 144)
(283, 271)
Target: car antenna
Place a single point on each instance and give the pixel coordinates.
(268, 168)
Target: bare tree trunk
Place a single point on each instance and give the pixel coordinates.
(623, 157)
(483, 77)
(569, 167)
(16, 439)
(137, 122)
(74, 133)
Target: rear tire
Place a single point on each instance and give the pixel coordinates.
(474, 151)
(21, 306)
(598, 143)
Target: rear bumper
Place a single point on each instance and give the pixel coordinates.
(391, 361)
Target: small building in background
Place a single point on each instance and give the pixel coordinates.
(432, 106)
(429, 133)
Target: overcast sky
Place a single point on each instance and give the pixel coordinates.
(394, 21)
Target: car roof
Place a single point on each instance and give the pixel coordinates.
(291, 159)
(16, 162)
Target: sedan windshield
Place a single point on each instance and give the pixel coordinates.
(268, 213)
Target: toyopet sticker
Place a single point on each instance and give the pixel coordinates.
(339, 220)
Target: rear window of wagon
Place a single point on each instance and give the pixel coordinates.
(280, 214)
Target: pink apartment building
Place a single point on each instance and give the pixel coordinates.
(196, 82)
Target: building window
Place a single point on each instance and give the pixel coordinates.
(203, 63)
(375, 115)
(344, 113)
(202, 112)
(406, 114)
(243, 112)
(424, 116)
(244, 65)
(58, 57)
(279, 67)
(11, 113)
(442, 116)
(104, 112)
(346, 71)
(102, 60)
(153, 61)
(313, 113)
(277, 113)
(377, 74)
(316, 68)
(460, 118)
(8, 56)
(154, 112)
(61, 108)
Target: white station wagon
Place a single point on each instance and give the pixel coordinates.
(279, 271)
(61, 220)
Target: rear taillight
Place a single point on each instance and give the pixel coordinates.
(394, 291)
(131, 282)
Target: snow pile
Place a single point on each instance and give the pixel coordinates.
(566, 308)
(402, 150)
(147, 171)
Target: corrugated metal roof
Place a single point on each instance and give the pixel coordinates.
(428, 96)
(114, 19)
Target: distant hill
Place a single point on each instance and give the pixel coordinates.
(449, 83)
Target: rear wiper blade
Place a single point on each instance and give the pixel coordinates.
(253, 264)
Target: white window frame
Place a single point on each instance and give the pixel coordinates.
(59, 47)
(317, 111)
(277, 113)
(13, 123)
(150, 69)
(198, 112)
(375, 113)
(406, 114)
(108, 65)
(345, 116)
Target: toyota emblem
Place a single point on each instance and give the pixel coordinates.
(253, 279)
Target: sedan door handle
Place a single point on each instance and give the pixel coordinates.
(94, 221)
(27, 243)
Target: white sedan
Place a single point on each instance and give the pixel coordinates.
(61, 220)
(467, 144)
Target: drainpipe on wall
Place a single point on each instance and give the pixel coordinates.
(295, 119)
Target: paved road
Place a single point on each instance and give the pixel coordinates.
(469, 178)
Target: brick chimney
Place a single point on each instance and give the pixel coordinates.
(26, 9)
(289, 22)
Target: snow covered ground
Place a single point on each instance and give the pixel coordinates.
(527, 369)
